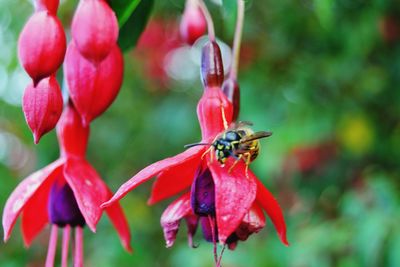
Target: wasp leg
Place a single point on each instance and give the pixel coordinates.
(207, 151)
(223, 117)
(236, 161)
(248, 160)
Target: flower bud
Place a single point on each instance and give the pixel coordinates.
(230, 87)
(41, 45)
(212, 69)
(72, 135)
(193, 24)
(42, 106)
(47, 5)
(94, 29)
(92, 87)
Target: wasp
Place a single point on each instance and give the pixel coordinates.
(238, 141)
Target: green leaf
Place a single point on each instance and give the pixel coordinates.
(132, 18)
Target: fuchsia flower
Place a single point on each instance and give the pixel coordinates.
(67, 194)
(228, 204)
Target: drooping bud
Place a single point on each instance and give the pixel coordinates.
(212, 69)
(231, 89)
(93, 87)
(42, 106)
(94, 29)
(203, 193)
(72, 135)
(63, 208)
(47, 5)
(41, 45)
(193, 24)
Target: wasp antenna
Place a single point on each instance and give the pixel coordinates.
(196, 144)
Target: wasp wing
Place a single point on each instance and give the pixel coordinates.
(255, 136)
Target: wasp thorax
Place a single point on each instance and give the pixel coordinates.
(63, 208)
(212, 69)
(225, 145)
(203, 193)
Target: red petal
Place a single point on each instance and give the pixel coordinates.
(209, 112)
(170, 219)
(89, 190)
(234, 195)
(35, 214)
(120, 223)
(153, 170)
(182, 177)
(252, 222)
(23, 193)
(271, 206)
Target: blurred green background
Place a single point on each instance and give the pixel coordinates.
(323, 75)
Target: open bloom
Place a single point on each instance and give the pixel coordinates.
(236, 194)
(67, 194)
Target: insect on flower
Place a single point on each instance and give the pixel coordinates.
(238, 141)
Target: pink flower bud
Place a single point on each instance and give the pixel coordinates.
(212, 69)
(42, 106)
(72, 135)
(47, 5)
(41, 45)
(193, 24)
(93, 87)
(94, 29)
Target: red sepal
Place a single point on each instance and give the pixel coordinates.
(72, 135)
(118, 219)
(171, 217)
(234, 195)
(271, 206)
(94, 29)
(89, 190)
(182, 177)
(153, 170)
(24, 192)
(41, 45)
(231, 89)
(92, 87)
(42, 106)
(209, 112)
(35, 214)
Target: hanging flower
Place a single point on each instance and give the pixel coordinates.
(230, 198)
(67, 194)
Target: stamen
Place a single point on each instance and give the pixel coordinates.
(212, 225)
(220, 256)
(223, 117)
(65, 246)
(51, 252)
(78, 258)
